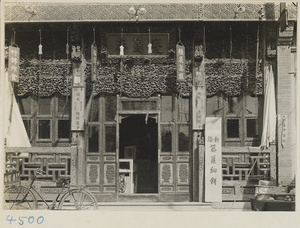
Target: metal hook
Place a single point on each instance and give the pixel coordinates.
(14, 41)
(94, 35)
(40, 31)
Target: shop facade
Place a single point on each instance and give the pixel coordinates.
(104, 108)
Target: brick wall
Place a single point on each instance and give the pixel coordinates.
(286, 96)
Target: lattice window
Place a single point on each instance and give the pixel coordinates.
(55, 162)
(241, 115)
(46, 119)
(237, 166)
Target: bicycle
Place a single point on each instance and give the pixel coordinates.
(69, 198)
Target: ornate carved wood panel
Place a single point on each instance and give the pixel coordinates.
(238, 182)
(55, 161)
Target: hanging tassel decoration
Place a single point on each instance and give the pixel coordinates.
(40, 46)
(149, 48)
(121, 47)
(121, 50)
(67, 45)
(149, 45)
(230, 47)
(40, 49)
(121, 66)
(94, 58)
(257, 52)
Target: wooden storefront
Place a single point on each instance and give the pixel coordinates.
(137, 142)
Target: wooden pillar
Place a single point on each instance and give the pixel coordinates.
(198, 116)
(77, 115)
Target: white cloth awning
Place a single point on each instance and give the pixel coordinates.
(269, 116)
(14, 129)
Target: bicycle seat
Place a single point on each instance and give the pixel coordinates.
(61, 181)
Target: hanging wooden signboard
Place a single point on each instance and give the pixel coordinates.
(93, 62)
(213, 159)
(78, 104)
(13, 64)
(180, 62)
(199, 97)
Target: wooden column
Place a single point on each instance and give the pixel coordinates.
(198, 116)
(77, 117)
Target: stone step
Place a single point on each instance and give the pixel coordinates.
(138, 197)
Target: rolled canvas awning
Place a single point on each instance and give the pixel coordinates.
(269, 118)
(14, 129)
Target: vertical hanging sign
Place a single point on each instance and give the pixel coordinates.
(78, 94)
(13, 64)
(199, 97)
(213, 160)
(284, 131)
(94, 62)
(180, 62)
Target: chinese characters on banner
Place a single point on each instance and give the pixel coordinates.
(77, 121)
(284, 131)
(94, 62)
(180, 62)
(13, 64)
(213, 160)
(199, 98)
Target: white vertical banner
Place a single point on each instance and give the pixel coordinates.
(213, 159)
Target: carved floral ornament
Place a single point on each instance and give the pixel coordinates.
(140, 80)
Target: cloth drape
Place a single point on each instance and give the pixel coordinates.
(269, 115)
(14, 129)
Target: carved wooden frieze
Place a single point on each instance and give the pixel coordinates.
(109, 189)
(182, 173)
(140, 80)
(166, 189)
(93, 176)
(182, 188)
(109, 173)
(166, 173)
(93, 158)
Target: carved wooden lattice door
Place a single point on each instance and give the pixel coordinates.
(174, 149)
(101, 147)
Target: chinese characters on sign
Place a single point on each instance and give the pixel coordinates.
(180, 62)
(78, 94)
(94, 62)
(199, 99)
(284, 131)
(13, 64)
(213, 160)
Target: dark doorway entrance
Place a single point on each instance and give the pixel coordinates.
(139, 133)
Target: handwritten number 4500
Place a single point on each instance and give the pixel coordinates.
(24, 219)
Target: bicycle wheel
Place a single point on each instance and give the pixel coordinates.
(20, 198)
(78, 199)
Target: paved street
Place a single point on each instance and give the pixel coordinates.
(169, 206)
